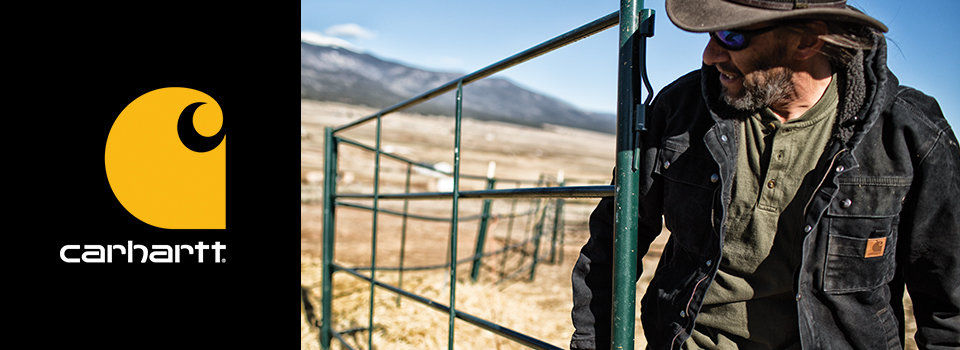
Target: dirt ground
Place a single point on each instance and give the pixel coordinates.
(539, 308)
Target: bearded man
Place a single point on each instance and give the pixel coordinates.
(803, 188)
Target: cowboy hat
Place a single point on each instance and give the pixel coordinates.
(713, 15)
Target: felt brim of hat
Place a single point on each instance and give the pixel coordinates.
(701, 16)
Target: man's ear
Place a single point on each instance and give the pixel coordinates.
(810, 43)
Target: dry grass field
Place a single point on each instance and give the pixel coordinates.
(539, 308)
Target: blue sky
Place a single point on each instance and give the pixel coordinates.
(463, 36)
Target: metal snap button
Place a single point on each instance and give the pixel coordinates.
(840, 168)
(723, 138)
(846, 203)
(709, 262)
(807, 228)
(771, 183)
(683, 314)
(666, 164)
(714, 178)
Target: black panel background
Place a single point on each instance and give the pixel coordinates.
(73, 70)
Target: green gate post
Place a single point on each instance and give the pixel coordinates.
(629, 121)
(482, 230)
(329, 214)
(627, 185)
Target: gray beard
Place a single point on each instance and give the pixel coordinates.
(772, 86)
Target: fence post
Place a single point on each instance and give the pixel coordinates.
(329, 214)
(484, 219)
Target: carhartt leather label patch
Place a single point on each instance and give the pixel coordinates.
(875, 247)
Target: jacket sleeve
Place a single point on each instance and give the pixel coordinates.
(593, 272)
(930, 237)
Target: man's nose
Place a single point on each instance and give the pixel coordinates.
(713, 53)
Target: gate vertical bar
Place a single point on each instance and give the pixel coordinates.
(403, 231)
(456, 215)
(536, 243)
(329, 212)
(536, 203)
(513, 214)
(563, 225)
(373, 234)
(627, 182)
(482, 229)
(558, 206)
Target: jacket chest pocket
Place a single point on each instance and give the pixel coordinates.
(691, 181)
(862, 233)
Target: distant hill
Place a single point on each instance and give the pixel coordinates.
(330, 73)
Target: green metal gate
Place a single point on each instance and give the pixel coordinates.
(635, 25)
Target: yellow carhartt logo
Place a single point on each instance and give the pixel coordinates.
(166, 159)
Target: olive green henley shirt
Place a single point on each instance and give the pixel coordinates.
(750, 304)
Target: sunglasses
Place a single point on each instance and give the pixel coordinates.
(735, 40)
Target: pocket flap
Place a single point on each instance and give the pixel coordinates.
(685, 167)
(870, 197)
(864, 248)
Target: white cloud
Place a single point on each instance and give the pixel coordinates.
(350, 31)
(323, 40)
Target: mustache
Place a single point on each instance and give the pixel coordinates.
(728, 68)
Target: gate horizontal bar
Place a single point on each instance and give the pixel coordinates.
(406, 160)
(430, 218)
(526, 55)
(476, 321)
(440, 266)
(412, 216)
(535, 192)
(424, 165)
(580, 202)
